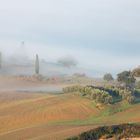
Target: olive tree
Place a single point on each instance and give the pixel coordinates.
(136, 72)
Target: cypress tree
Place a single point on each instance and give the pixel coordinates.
(37, 64)
(0, 60)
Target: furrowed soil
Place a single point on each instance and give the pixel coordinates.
(27, 116)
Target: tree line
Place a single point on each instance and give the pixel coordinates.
(108, 95)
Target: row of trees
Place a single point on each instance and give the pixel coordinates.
(105, 95)
(119, 93)
(127, 79)
(100, 96)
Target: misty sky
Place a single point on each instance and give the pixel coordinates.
(100, 34)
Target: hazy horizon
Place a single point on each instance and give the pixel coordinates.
(101, 35)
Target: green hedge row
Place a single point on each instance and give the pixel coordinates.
(106, 95)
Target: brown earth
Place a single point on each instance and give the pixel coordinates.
(27, 116)
(30, 115)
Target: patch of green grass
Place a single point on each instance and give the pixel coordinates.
(115, 108)
(108, 115)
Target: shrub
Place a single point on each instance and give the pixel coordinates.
(115, 131)
(136, 72)
(131, 99)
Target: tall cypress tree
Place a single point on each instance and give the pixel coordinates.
(37, 64)
(0, 60)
